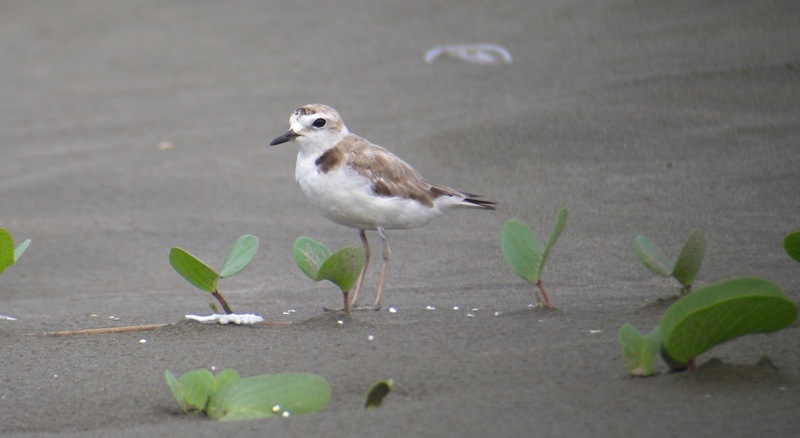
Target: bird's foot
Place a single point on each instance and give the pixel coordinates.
(328, 309)
(367, 308)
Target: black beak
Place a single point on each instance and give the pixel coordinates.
(289, 136)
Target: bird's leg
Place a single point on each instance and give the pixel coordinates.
(360, 281)
(387, 257)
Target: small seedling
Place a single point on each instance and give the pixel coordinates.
(340, 268)
(684, 269)
(8, 254)
(792, 245)
(377, 392)
(705, 318)
(202, 276)
(639, 351)
(720, 312)
(226, 397)
(526, 255)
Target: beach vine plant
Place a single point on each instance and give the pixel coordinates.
(205, 278)
(791, 244)
(227, 397)
(708, 316)
(377, 392)
(9, 255)
(639, 351)
(526, 255)
(705, 318)
(340, 268)
(720, 312)
(684, 269)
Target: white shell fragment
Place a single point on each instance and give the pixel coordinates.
(430, 308)
(392, 310)
(9, 318)
(247, 318)
(485, 53)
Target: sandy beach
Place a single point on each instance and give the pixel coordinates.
(128, 128)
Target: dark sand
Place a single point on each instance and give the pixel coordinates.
(641, 117)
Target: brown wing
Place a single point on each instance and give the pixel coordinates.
(390, 175)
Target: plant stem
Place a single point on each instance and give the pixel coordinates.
(547, 303)
(345, 293)
(99, 331)
(137, 328)
(222, 302)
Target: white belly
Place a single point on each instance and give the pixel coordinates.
(347, 198)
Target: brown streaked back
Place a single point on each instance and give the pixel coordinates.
(390, 176)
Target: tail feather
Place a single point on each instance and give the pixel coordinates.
(480, 203)
(468, 199)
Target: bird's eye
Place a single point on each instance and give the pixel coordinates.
(319, 123)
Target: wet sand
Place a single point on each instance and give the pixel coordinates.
(129, 128)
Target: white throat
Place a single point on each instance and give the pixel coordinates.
(316, 142)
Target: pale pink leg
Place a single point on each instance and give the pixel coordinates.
(360, 281)
(387, 257)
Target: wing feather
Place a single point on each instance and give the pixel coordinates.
(392, 177)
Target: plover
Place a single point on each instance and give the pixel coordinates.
(361, 185)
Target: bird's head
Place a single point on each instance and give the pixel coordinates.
(315, 128)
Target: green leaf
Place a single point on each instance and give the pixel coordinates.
(6, 250)
(377, 392)
(193, 389)
(21, 249)
(691, 257)
(639, 351)
(792, 245)
(342, 267)
(239, 255)
(723, 311)
(198, 385)
(652, 257)
(224, 378)
(558, 227)
(310, 255)
(177, 390)
(522, 250)
(193, 270)
(674, 365)
(270, 395)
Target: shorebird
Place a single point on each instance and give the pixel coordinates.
(361, 185)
